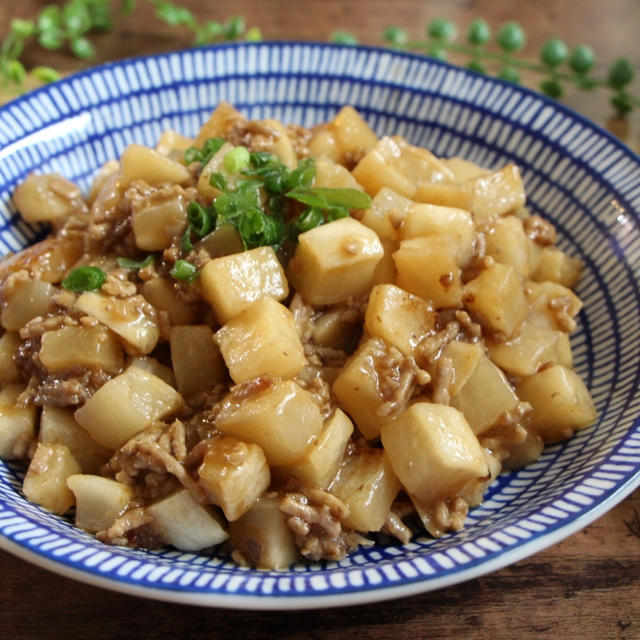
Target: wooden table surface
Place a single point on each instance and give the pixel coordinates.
(586, 587)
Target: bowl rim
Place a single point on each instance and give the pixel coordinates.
(370, 593)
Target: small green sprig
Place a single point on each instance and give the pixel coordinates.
(557, 64)
(70, 25)
(54, 27)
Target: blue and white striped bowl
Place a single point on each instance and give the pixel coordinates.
(576, 174)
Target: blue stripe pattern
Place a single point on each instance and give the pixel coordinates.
(575, 173)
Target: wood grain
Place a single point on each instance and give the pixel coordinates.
(585, 587)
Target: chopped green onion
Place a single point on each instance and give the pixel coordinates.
(302, 175)
(210, 147)
(185, 242)
(84, 279)
(126, 263)
(258, 229)
(217, 180)
(327, 198)
(336, 213)
(309, 219)
(200, 218)
(237, 159)
(183, 270)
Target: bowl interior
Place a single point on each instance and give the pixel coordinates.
(575, 174)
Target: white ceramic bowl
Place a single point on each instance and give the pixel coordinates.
(576, 174)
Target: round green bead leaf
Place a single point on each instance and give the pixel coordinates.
(554, 52)
(511, 37)
(621, 103)
(582, 58)
(395, 36)
(551, 87)
(479, 32)
(477, 66)
(442, 29)
(620, 73)
(343, 37)
(509, 74)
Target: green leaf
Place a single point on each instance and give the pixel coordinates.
(582, 59)
(82, 48)
(621, 103)
(173, 15)
(327, 198)
(509, 74)
(511, 37)
(45, 74)
(477, 65)
(253, 35)
(620, 74)
(76, 19)
(16, 71)
(50, 40)
(479, 32)
(551, 87)
(49, 18)
(23, 28)
(342, 37)
(442, 29)
(128, 7)
(554, 52)
(234, 27)
(395, 36)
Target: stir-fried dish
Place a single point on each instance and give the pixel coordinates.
(283, 342)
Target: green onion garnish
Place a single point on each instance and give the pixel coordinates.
(126, 263)
(205, 153)
(309, 219)
(327, 198)
(237, 159)
(84, 279)
(183, 270)
(200, 218)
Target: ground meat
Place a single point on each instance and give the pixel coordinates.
(300, 137)
(64, 300)
(127, 530)
(26, 359)
(393, 526)
(471, 330)
(442, 380)
(315, 517)
(320, 392)
(70, 388)
(430, 347)
(507, 432)
(156, 452)
(117, 284)
(324, 356)
(442, 515)
(397, 377)
(541, 231)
